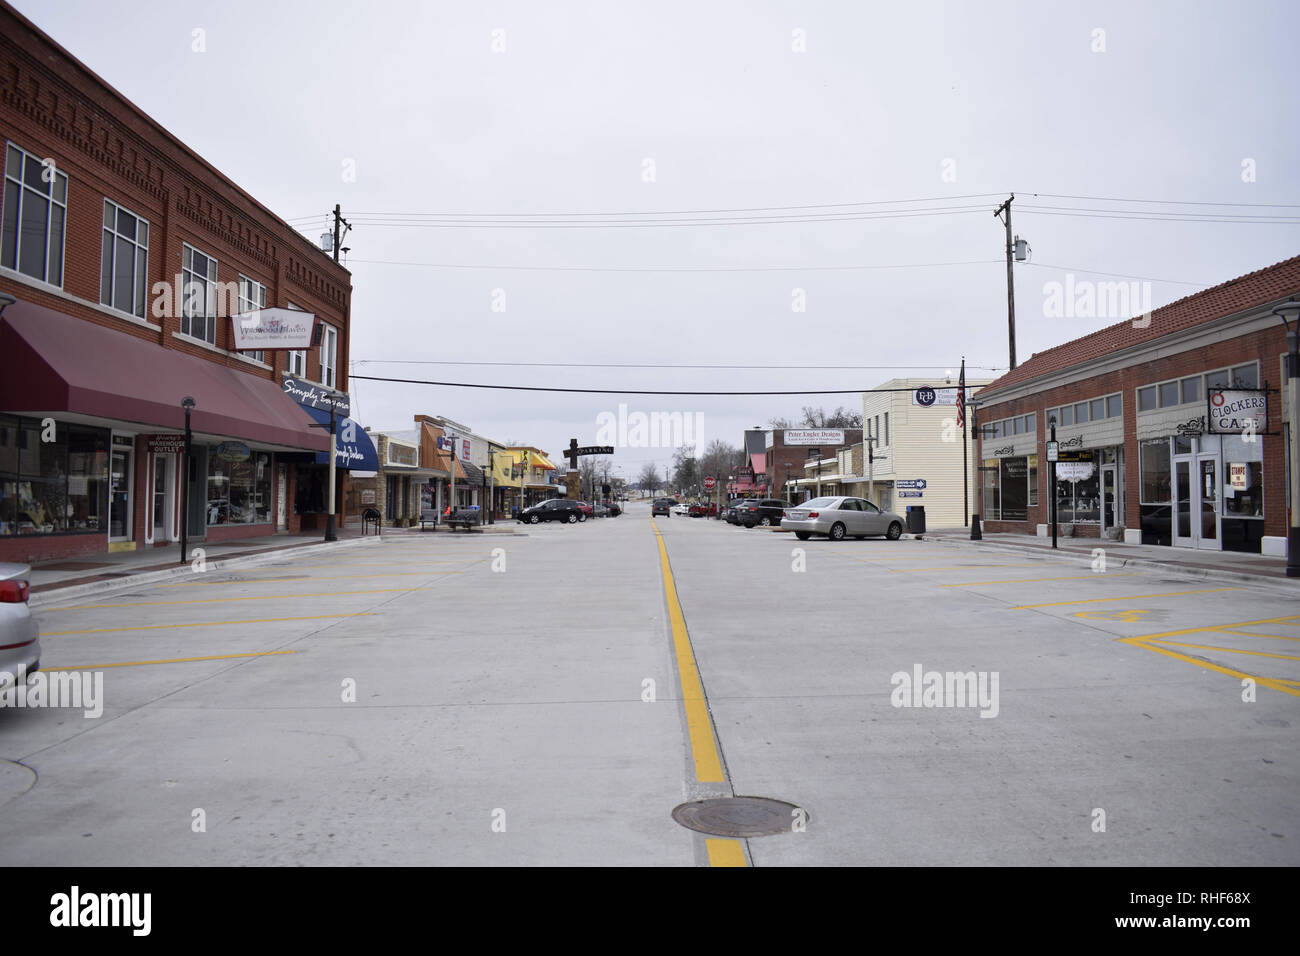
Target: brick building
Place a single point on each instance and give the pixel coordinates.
(1146, 452)
(789, 449)
(126, 254)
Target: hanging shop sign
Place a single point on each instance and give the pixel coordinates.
(926, 396)
(311, 395)
(1234, 411)
(272, 329)
(165, 444)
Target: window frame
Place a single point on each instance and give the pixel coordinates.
(50, 196)
(329, 370)
(247, 304)
(209, 279)
(139, 292)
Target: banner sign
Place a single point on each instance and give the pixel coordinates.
(814, 436)
(272, 330)
(311, 395)
(165, 444)
(1237, 410)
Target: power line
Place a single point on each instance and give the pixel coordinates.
(989, 368)
(675, 269)
(1169, 202)
(1035, 211)
(1117, 275)
(666, 223)
(628, 391)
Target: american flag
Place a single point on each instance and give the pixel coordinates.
(961, 396)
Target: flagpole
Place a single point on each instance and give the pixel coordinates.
(965, 466)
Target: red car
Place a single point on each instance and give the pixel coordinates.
(587, 510)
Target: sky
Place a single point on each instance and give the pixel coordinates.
(427, 121)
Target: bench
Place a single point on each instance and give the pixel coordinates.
(431, 516)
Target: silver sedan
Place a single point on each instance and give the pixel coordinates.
(20, 648)
(839, 518)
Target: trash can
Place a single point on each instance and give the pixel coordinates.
(916, 519)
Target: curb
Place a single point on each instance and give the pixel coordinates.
(75, 591)
(1236, 577)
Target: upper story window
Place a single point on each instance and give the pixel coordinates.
(124, 265)
(329, 348)
(1194, 389)
(199, 294)
(252, 296)
(1093, 410)
(35, 207)
(297, 360)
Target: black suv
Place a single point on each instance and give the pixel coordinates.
(764, 511)
(662, 506)
(557, 509)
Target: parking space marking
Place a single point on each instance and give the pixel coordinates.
(1276, 637)
(1127, 597)
(1127, 616)
(699, 725)
(1071, 577)
(309, 578)
(1228, 650)
(724, 852)
(1221, 627)
(172, 660)
(226, 600)
(1270, 682)
(167, 627)
(962, 567)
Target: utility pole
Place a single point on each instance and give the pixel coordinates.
(339, 221)
(1011, 284)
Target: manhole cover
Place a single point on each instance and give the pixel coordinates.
(740, 816)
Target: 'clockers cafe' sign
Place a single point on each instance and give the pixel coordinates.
(1237, 410)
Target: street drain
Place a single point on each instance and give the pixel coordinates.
(740, 816)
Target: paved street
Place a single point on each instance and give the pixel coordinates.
(501, 713)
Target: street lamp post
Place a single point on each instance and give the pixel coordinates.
(329, 517)
(1293, 388)
(1051, 476)
(491, 486)
(188, 404)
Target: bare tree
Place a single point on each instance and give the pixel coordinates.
(649, 479)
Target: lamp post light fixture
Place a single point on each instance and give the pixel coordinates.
(1293, 390)
(188, 404)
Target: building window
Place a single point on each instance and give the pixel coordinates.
(1031, 423)
(35, 207)
(886, 428)
(1245, 376)
(1081, 413)
(199, 289)
(1114, 406)
(1067, 415)
(239, 492)
(1097, 409)
(1146, 398)
(124, 262)
(1078, 490)
(1217, 379)
(297, 361)
(52, 487)
(1168, 394)
(252, 296)
(1013, 478)
(1155, 472)
(328, 356)
(1033, 481)
(1191, 389)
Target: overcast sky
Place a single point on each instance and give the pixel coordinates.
(1182, 102)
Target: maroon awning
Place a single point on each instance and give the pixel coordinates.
(51, 362)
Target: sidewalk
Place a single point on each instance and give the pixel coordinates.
(1226, 565)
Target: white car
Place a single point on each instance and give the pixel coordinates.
(681, 509)
(839, 518)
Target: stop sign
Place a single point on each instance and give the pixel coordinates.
(709, 482)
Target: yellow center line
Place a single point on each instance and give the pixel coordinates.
(1071, 577)
(724, 852)
(1240, 675)
(225, 600)
(704, 750)
(1128, 597)
(166, 627)
(171, 660)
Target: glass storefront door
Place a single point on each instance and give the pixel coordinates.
(119, 498)
(1184, 536)
(1207, 487)
(161, 495)
(1109, 501)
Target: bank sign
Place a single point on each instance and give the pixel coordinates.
(1234, 411)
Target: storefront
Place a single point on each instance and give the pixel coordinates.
(92, 434)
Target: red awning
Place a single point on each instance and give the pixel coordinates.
(758, 463)
(51, 362)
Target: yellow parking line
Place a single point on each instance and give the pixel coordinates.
(1072, 577)
(310, 578)
(725, 852)
(1240, 675)
(1219, 627)
(1276, 637)
(225, 600)
(166, 627)
(962, 567)
(1229, 650)
(1127, 597)
(699, 726)
(171, 660)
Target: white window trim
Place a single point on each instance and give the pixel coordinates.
(330, 334)
(185, 297)
(252, 306)
(24, 279)
(145, 249)
(67, 192)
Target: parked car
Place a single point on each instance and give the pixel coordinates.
(662, 506)
(20, 646)
(730, 510)
(682, 509)
(557, 509)
(600, 510)
(585, 510)
(614, 509)
(841, 517)
(743, 508)
(766, 512)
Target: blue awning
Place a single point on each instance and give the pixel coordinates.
(356, 455)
